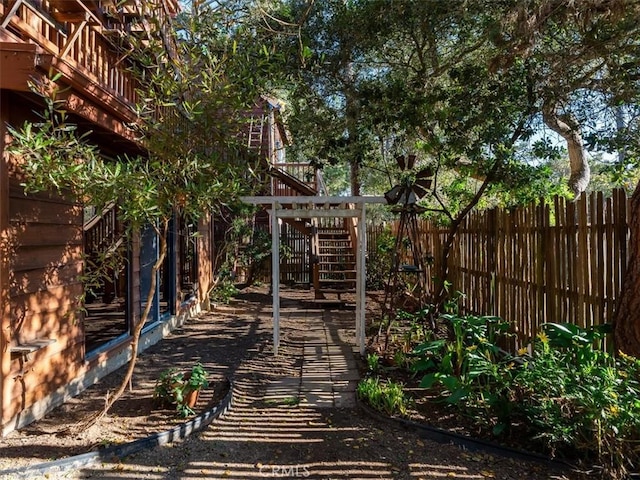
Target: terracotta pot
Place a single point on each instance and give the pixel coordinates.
(191, 398)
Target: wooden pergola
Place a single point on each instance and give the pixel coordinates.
(310, 207)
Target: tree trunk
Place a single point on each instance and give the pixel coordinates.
(354, 178)
(627, 317)
(137, 328)
(568, 128)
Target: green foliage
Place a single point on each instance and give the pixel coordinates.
(385, 396)
(224, 291)
(575, 395)
(469, 366)
(566, 393)
(373, 363)
(379, 261)
(174, 386)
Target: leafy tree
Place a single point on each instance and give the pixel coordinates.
(465, 85)
(196, 85)
(588, 79)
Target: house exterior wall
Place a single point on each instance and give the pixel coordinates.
(41, 235)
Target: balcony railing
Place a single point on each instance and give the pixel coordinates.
(81, 35)
(304, 173)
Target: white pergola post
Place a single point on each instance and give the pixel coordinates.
(275, 275)
(361, 276)
(318, 207)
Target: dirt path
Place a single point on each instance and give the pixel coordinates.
(282, 425)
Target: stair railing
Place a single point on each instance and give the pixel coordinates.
(102, 231)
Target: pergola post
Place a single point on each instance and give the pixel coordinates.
(275, 275)
(311, 208)
(361, 277)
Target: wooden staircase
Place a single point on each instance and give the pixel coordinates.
(334, 266)
(332, 241)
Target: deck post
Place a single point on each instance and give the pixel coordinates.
(275, 275)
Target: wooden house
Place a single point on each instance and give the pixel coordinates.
(57, 336)
(52, 346)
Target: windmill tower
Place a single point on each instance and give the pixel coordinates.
(407, 280)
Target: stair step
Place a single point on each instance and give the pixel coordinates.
(335, 236)
(338, 290)
(331, 281)
(343, 243)
(337, 263)
(321, 271)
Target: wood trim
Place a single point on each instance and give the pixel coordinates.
(17, 65)
(91, 112)
(23, 58)
(316, 200)
(5, 318)
(76, 75)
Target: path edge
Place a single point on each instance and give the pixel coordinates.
(465, 442)
(177, 433)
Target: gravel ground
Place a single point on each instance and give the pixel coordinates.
(258, 437)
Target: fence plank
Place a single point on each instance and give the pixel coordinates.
(557, 262)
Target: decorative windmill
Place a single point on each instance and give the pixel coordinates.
(413, 186)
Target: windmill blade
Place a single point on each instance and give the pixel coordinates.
(424, 173)
(400, 160)
(411, 161)
(423, 184)
(392, 196)
(419, 190)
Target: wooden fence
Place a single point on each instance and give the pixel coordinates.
(563, 262)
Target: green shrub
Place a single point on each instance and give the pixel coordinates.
(373, 363)
(223, 292)
(568, 394)
(578, 396)
(385, 396)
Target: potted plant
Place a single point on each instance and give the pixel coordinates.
(181, 389)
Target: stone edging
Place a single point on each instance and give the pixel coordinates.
(179, 432)
(465, 442)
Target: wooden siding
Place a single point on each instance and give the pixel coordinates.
(44, 291)
(5, 320)
(42, 260)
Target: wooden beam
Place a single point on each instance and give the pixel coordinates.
(361, 275)
(70, 41)
(11, 13)
(318, 213)
(5, 257)
(95, 114)
(71, 17)
(316, 200)
(17, 65)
